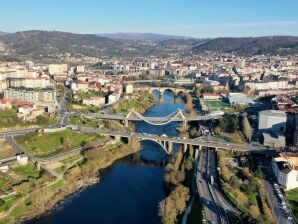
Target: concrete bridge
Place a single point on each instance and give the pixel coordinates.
(166, 142)
(177, 116)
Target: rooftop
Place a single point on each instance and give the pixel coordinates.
(275, 113)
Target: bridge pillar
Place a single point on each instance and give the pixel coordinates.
(170, 147)
(126, 123)
(184, 125)
(197, 152)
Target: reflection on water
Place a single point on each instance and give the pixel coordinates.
(130, 189)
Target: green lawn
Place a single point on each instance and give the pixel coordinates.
(216, 104)
(84, 122)
(45, 144)
(7, 116)
(27, 171)
(59, 184)
(91, 94)
(292, 197)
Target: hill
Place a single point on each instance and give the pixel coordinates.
(142, 36)
(60, 46)
(54, 45)
(2, 33)
(251, 45)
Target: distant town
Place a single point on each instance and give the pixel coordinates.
(232, 158)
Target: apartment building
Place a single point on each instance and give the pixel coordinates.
(29, 82)
(57, 68)
(285, 168)
(31, 95)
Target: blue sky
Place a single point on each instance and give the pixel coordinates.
(197, 18)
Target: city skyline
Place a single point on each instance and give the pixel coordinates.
(188, 18)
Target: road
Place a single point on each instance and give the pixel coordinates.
(211, 142)
(204, 192)
(223, 205)
(281, 214)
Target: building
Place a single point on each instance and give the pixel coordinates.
(211, 96)
(80, 69)
(57, 68)
(129, 89)
(31, 95)
(95, 101)
(29, 82)
(292, 129)
(285, 168)
(270, 140)
(272, 120)
(5, 104)
(261, 85)
(239, 98)
(22, 159)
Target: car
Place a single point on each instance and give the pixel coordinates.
(289, 217)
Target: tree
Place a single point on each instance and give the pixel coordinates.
(167, 211)
(236, 138)
(189, 104)
(180, 196)
(188, 164)
(246, 128)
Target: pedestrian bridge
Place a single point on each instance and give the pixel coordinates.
(133, 115)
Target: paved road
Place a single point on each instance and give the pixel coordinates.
(211, 142)
(281, 214)
(204, 192)
(221, 201)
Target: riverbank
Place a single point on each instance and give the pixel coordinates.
(43, 198)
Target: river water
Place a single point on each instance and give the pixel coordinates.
(130, 190)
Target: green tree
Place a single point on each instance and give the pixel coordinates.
(246, 128)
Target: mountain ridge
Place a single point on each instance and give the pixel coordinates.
(40, 45)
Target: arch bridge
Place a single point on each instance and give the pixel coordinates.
(166, 142)
(133, 115)
(175, 90)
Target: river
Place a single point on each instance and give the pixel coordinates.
(130, 190)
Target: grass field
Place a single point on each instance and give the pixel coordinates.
(45, 144)
(292, 197)
(27, 171)
(216, 104)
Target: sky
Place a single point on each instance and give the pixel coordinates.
(195, 18)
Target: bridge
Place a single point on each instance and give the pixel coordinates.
(166, 142)
(178, 116)
(175, 90)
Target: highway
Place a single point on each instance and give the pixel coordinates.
(215, 203)
(223, 205)
(202, 184)
(211, 142)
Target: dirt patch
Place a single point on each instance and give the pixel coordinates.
(6, 150)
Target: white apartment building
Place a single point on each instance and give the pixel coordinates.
(29, 82)
(57, 68)
(285, 169)
(258, 85)
(30, 95)
(272, 120)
